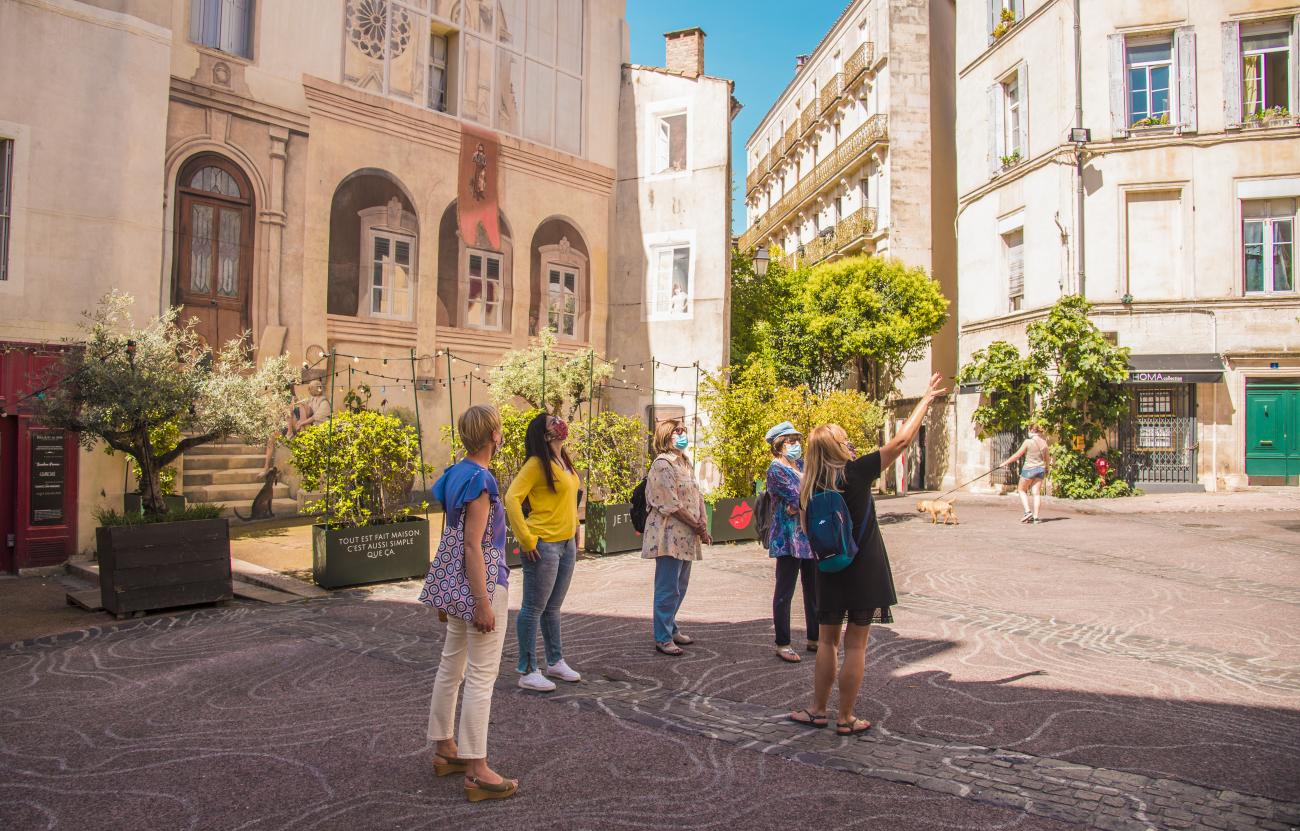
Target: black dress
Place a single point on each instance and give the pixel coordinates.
(865, 590)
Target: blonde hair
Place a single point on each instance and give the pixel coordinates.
(664, 435)
(825, 461)
(476, 426)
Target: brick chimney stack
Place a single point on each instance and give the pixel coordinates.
(685, 51)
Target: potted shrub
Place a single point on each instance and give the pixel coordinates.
(362, 463)
(125, 385)
(610, 449)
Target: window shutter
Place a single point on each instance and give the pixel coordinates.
(1231, 73)
(1295, 65)
(1022, 83)
(1185, 55)
(1019, 9)
(995, 129)
(1118, 88)
(994, 8)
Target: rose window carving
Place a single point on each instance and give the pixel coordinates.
(367, 20)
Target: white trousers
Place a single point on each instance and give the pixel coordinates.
(466, 645)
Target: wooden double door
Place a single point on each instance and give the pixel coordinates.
(214, 253)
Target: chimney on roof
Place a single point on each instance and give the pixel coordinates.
(684, 51)
(799, 61)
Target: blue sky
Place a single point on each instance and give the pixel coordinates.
(753, 43)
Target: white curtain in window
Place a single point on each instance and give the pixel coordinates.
(234, 26)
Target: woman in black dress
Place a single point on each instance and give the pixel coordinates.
(863, 592)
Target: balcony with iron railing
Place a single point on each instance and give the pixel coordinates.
(873, 132)
(831, 92)
(858, 64)
(847, 233)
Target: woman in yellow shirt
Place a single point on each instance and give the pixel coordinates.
(548, 539)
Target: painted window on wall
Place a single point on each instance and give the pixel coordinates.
(483, 289)
(1268, 246)
(226, 25)
(512, 65)
(6, 202)
(670, 143)
(671, 282)
(562, 300)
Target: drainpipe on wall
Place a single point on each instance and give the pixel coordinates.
(1078, 156)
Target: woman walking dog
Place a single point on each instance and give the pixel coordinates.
(863, 591)
(1037, 457)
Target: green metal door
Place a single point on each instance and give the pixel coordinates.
(1273, 432)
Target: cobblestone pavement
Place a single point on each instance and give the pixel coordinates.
(1133, 671)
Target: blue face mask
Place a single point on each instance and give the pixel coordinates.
(793, 452)
(682, 442)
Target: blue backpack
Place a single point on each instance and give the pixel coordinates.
(830, 531)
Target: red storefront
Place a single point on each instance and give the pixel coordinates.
(38, 467)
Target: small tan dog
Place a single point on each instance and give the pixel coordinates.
(938, 508)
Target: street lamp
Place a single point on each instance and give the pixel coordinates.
(761, 259)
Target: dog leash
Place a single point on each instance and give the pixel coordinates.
(971, 482)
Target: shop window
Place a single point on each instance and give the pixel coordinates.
(1155, 402)
(1268, 246)
(226, 25)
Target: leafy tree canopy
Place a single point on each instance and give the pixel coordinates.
(1009, 383)
(549, 379)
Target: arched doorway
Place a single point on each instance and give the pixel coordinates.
(213, 271)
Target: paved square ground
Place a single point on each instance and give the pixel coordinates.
(1126, 669)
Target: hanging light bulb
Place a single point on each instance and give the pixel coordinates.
(354, 359)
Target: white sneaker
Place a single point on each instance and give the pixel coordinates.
(563, 672)
(535, 681)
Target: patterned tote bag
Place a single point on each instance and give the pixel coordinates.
(446, 587)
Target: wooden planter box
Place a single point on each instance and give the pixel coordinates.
(609, 529)
(131, 503)
(732, 520)
(163, 564)
(353, 556)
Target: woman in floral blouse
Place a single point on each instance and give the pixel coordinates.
(674, 528)
(788, 543)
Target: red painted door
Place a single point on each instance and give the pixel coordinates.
(8, 477)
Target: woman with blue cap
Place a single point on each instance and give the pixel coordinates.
(787, 542)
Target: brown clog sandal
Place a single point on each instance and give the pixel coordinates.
(476, 791)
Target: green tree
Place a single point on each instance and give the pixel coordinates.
(549, 379)
(612, 451)
(1009, 384)
(1086, 395)
(759, 302)
(125, 382)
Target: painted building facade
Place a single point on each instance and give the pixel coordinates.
(290, 169)
(1190, 184)
(857, 156)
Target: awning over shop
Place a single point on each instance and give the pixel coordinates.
(1194, 368)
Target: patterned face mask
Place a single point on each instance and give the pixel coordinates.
(557, 429)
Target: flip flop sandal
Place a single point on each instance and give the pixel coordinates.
(813, 721)
(447, 765)
(476, 791)
(682, 639)
(788, 655)
(852, 728)
(669, 648)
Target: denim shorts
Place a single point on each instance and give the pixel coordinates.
(1033, 473)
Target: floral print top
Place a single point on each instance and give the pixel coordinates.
(787, 537)
(670, 486)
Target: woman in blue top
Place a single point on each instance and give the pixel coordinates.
(468, 582)
(787, 542)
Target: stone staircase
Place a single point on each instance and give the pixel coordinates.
(228, 473)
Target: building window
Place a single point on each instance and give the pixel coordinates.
(6, 202)
(388, 267)
(562, 300)
(1268, 243)
(1265, 72)
(671, 282)
(670, 138)
(865, 186)
(1155, 402)
(483, 289)
(1149, 69)
(512, 65)
(1013, 244)
(223, 24)
(1011, 117)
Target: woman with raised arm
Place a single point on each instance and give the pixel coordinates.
(548, 538)
(863, 592)
(674, 528)
(467, 581)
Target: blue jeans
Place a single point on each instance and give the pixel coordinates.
(546, 582)
(671, 577)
